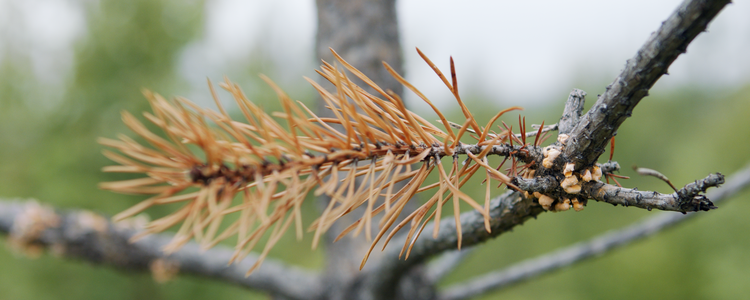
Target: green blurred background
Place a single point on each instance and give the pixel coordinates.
(48, 152)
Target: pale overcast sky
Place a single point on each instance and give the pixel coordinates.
(528, 51)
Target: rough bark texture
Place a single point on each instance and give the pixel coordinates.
(591, 134)
(686, 199)
(572, 111)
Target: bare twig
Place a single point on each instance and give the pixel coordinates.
(688, 198)
(590, 136)
(572, 111)
(588, 249)
(654, 173)
(547, 128)
(91, 237)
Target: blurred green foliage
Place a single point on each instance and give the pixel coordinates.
(51, 154)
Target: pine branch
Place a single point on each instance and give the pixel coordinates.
(84, 235)
(594, 247)
(272, 168)
(264, 168)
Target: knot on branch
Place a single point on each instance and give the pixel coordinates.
(556, 185)
(610, 167)
(691, 197)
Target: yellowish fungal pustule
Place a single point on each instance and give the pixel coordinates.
(569, 181)
(568, 171)
(550, 154)
(577, 206)
(546, 201)
(573, 189)
(596, 173)
(587, 176)
(563, 206)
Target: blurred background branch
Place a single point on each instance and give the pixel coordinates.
(33, 227)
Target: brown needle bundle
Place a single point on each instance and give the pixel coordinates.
(273, 168)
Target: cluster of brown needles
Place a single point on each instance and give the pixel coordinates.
(261, 169)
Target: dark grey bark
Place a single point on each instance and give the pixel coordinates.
(590, 136)
(572, 111)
